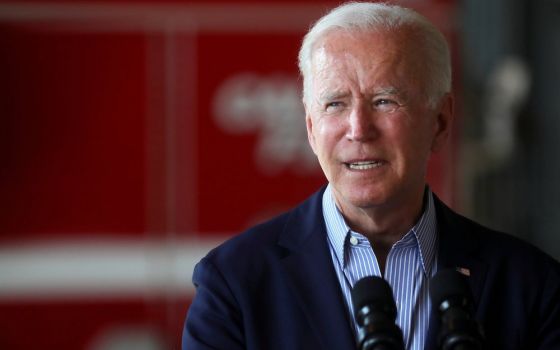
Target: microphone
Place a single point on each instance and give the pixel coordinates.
(451, 295)
(375, 312)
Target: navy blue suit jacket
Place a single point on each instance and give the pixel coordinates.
(274, 287)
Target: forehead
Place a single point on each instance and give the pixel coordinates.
(354, 40)
(365, 57)
(365, 46)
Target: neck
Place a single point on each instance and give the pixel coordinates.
(384, 225)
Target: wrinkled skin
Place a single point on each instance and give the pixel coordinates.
(368, 104)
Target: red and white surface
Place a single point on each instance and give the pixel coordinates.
(136, 136)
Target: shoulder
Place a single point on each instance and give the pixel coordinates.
(517, 285)
(250, 243)
(500, 249)
(264, 242)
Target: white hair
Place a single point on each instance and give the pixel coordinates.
(377, 17)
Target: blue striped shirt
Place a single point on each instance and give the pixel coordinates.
(410, 264)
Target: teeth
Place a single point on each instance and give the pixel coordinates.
(364, 165)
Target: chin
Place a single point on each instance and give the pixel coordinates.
(365, 198)
(369, 202)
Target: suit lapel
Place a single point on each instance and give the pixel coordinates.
(310, 272)
(309, 269)
(457, 250)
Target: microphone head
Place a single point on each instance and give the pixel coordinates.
(450, 286)
(375, 292)
(375, 313)
(450, 293)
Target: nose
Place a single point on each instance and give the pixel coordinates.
(361, 124)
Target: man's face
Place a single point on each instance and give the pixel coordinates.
(368, 120)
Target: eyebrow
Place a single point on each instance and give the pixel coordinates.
(389, 90)
(338, 94)
(333, 95)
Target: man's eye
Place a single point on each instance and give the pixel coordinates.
(385, 105)
(383, 101)
(333, 106)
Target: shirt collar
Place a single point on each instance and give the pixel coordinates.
(423, 234)
(337, 229)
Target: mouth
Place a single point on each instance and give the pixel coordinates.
(364, 165)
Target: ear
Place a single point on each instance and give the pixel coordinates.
(444, 120)
(309, 126)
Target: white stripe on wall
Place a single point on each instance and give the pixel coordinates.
(98, 269)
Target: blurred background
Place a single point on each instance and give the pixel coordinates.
(137, 135)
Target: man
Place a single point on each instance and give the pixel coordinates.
(377, 83)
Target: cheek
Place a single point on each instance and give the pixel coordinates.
(411, 141)
(328, 132)
(420, 147)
